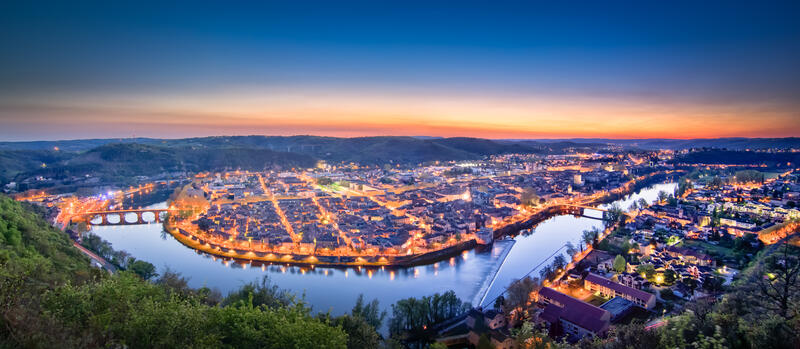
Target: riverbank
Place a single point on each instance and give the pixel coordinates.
(212, 248)
(198, 243)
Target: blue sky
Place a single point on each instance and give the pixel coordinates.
(119, 65)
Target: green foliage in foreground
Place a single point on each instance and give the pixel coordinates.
(51, 297)
(125, 310)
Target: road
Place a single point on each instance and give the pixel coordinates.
(100, 260)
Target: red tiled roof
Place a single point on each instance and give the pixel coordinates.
(620, 288)
(575, 311)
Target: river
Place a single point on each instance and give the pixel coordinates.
(336, 289)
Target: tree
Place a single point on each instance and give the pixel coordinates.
(263, 293)
(546, 272)
(518, 297)
(50, 296)
(662, 196)
(669, 276)
(174, 283)
(672, 201)
(411, 317)
(633, 335)
(370, 312)
(590, 237)
(712, 284)
(746, 176)
(570, 248)
(523, 335)
(778, 282)
(614, 215)
(559, 262)
(691, 284)
(647, 270)
(684, 185)
(144, 269)
(716, 182)
(643, 203)
(360, 334)
(499, 302)
(620, 264)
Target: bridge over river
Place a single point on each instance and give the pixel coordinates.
(157, 213)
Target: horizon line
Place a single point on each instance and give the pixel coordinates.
(395, 136)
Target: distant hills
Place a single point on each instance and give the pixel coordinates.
(112, 158)
(739, 143)
(120, 160)
(145, 156)
(309, 143)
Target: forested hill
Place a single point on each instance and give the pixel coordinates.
(52, 298)
(115, 161)
(338, 148)
(150, 156)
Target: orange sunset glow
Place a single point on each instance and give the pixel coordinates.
(350, 115)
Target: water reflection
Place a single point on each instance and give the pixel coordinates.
(336, 289)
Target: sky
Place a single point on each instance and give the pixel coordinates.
(490, 69)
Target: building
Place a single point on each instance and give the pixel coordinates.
(618, 307)
(608, 288)
(572, 317)
(494, 319)
(690, 255)
(467, 330)
(485, 236)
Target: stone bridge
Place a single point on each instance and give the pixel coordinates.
(157, 216)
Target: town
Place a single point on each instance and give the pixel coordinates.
(651, 259)
(687, 246)
(400, 174)
(354, 215)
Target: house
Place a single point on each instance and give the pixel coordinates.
(633, 280)
(494, 319)
(572, 317)
(598, 259)
(690, 255)
(608, 288)
(468, 330)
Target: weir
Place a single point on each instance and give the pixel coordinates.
(488, 282)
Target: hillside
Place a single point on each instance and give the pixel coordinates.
(127, 160)
(114, 160)
(51, 297)
(369, 150)
(14, 162)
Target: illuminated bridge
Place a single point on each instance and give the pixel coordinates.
(580, 210)
(158, 216)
